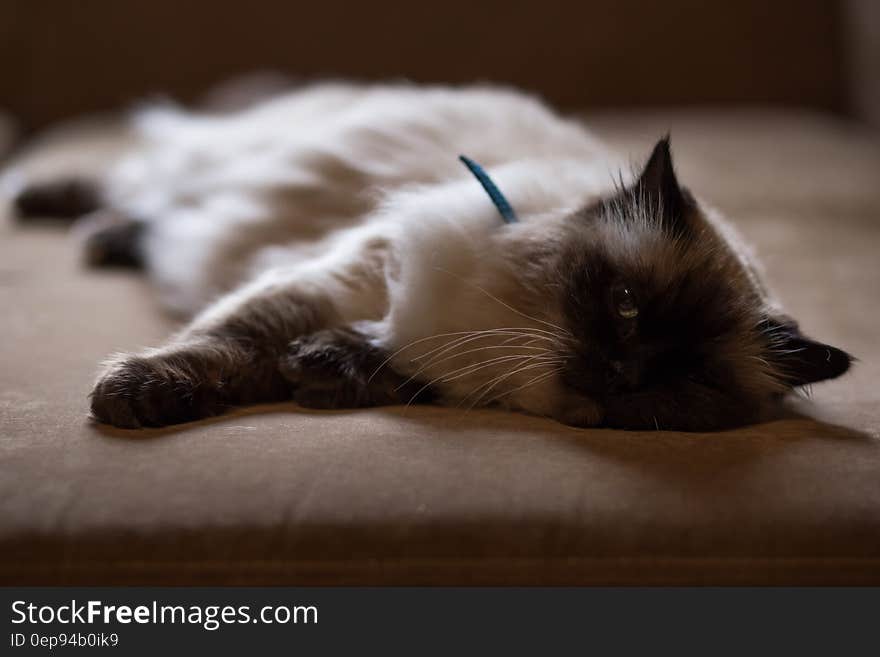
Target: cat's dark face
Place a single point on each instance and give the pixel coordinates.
(671, 327)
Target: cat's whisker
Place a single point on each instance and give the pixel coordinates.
(460, 338)
(538, 379)
(476, 335)
(458, 354)
(463, 343)
(516, 337)
(474, 367)
(525, 344)
(409, 345)
(484, 364)
(490, 385)
(562, 333)
(463, 371)
(543, 360)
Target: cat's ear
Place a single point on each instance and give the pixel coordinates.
(658, 187)
(801, 360)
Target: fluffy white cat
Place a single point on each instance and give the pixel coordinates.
(334, 250)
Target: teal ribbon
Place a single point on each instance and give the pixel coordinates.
(503, 206)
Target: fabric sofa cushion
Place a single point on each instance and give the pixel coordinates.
(428, 495)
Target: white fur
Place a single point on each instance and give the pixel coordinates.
(354, 195)
(290, 171)
(296, 191)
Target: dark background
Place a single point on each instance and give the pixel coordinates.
(59, 58)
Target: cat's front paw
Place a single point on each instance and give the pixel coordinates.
(151, 391)
(329, 369)
(341, 368)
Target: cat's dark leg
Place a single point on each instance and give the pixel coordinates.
(183, 382)
(65, 199)
(231, 354)
(109, 239)
(228, 358)
(341, 368)
(112, 240)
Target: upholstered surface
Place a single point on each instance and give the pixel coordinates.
(279, 495)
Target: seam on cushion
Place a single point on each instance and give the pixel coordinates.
(590, 570)
(288, 562)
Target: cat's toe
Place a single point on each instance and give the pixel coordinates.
(111, 404)
(138, 393)
(313, 358)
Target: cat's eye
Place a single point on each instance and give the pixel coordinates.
(625, 302)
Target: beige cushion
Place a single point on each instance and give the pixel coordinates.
(429, 495)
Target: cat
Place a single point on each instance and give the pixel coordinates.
(332, 250)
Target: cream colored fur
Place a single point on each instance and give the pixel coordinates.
(356, 194)
(353, 196)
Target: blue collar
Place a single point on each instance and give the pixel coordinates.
(501, 203)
